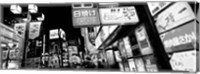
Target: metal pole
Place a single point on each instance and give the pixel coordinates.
(26, 39)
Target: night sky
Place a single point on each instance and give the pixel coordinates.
(56, 16)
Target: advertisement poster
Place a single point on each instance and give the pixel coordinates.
(184, 61)
(34, 29)
(86, 17)
(143, 41)
(20, 29)
(155, 7)
(118, 15)
(181, 38)
(175, 15)
(54, 34)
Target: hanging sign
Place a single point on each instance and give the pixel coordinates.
(118, 15)
(184, 61)
(175, 15)
(155, 7)
(86, 17)
(34, 30)
(20, 29)
(181, 38)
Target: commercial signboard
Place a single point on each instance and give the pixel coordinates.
(143, 41)
(184, 61)
(110, 57)
(117, 56)
(118, 15)
(34, 30)
(54, 34)
(155, 7)
(175, 15)
(86, 17)
(128, 46)
(181, 38)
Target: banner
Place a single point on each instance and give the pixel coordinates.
(20, 29)
(181, 38)
(118, 15)
(175, 15)
(155, 7)
(86, 17)
(34, 29)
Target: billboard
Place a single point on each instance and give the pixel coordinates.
(177, 14)
(118, 15)
(85, 17)
(181, 38)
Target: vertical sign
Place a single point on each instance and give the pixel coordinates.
(175, 15)
(86, 17)
(20, 29)
(143, 41)
(34, 30)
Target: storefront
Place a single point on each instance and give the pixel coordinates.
(11, 48)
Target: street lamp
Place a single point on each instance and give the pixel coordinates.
(32, 9)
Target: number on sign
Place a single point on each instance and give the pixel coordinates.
(77, 13)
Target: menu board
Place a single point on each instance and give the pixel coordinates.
(86, 17)
(181, 38)
(175, 15)
(143, 41)
(184, 61)
(118, 15)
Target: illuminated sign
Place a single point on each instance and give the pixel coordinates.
(174, 16)
(86, 17)
(118, 15)
(54, 34)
